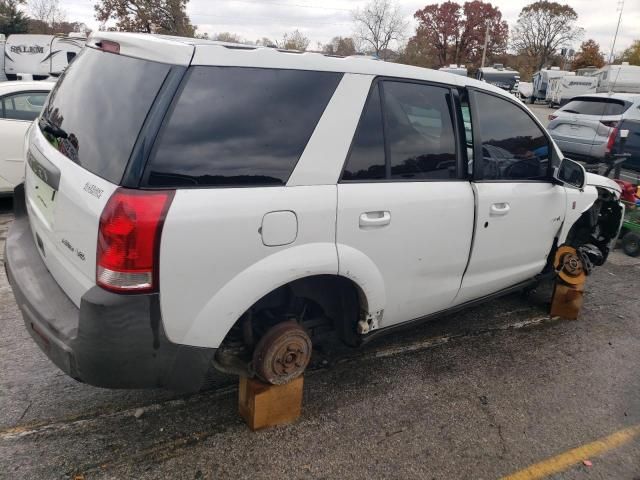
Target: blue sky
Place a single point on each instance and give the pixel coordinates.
(321, 20)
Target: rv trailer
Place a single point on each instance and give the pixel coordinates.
(623, 78)
(37, 57)
(456, 69)
(3, 40)
(500, 76)
(563, 89)
(541, 81)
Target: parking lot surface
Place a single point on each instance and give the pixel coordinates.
(480, 394)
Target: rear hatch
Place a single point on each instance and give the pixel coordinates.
(78, 152)
(588, 120)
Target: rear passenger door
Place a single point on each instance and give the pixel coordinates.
(518, 209)
(405, 211)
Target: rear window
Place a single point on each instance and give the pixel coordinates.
(97, 109)
(236, 126)
(596, 106)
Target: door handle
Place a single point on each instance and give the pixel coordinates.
(375, 219)
(498, 209)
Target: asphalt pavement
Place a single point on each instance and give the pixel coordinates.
(480, 394)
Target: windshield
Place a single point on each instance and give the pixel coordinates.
(97, 109)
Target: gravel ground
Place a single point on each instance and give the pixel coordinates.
(478, 394)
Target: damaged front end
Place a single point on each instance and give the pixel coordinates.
(594, 234)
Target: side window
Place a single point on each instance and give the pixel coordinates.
(367, 161)
(23, 106)
(235, 126)
(513, 146)
(418, 132)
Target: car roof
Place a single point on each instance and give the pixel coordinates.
(27, 85)
(191, 51)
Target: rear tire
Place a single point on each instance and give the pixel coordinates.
(631, 244)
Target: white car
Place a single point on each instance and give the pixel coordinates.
(20, 104)
(192, 204)
(586, 127)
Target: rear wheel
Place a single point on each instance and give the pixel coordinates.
(631, 244)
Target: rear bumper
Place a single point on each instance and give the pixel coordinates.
(113, 341)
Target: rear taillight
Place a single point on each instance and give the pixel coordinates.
(552, 117)
(612, 139)
(609, 123)
(129, 240)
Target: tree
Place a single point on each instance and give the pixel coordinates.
(147, 16)
(294, 41)
(46, 16)
(378, 25)
(632, 54)
(543, 27)
(12, 20)
(456, 33)
(588, 56)
(343, 46)
(266, 42)
(227, 37)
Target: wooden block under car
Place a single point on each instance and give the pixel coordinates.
(567, 300)
(263, 405)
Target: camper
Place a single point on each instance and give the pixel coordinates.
(37, 57)
(3, 40)
(456, 69)
(563, 89)
(541, 81)
(500, 76)
(623, 78)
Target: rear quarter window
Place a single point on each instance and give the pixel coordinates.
(238, 126)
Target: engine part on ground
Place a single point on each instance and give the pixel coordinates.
(282, 353)
(568, 264)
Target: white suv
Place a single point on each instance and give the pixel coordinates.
(191, 204)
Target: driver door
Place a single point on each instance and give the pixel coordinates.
(519, 210)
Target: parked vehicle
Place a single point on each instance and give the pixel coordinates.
(564, 89)
(20, 104)
(623, 78)
(541, 81)
(504, 78)
(457, 69)
(627, 141)
(585, 127)
(206, 210)
(38, 57)
(525, 90)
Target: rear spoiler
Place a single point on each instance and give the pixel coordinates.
(146, 46)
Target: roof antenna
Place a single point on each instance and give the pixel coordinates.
(620, 7)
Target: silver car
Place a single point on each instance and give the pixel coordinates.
(585, 127)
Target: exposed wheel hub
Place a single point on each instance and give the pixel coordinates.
(569, 265)
(282, 353)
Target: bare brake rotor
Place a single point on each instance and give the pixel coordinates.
(282, 353)
(569, 266)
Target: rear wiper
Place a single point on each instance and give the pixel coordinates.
(52, 129)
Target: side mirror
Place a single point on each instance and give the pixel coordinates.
(570, 174)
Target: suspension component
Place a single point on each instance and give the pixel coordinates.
(282, 353)
(569, 265)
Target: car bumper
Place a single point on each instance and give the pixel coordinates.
(113, 341)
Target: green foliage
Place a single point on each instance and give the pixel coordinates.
(12, 20)
(632, 54)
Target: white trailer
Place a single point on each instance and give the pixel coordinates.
(500, 76)
(3, 40)
(456, 69)
(563, 89)
(37, 57)
(623, 78)
(541, 81)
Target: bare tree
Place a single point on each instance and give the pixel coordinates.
(543, 27)
(46, 16)
(228, 37)
(294, 41)
(379, 24)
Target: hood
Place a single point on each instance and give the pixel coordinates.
(603, 182)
